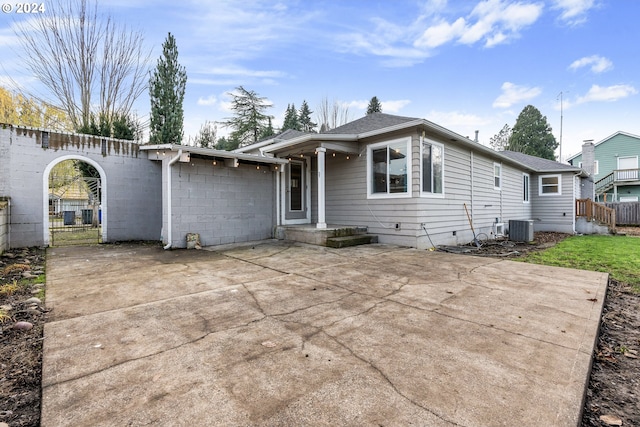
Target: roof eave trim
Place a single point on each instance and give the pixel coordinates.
(223, 154)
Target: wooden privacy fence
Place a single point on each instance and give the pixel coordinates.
(596, 211)
(627, 213)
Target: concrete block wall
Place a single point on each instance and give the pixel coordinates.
(134, 199)
(133, 183)
(4, 224)
(222, 204)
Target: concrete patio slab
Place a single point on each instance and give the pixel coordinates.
(278, 333)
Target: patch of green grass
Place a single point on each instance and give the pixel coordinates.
(616, 255)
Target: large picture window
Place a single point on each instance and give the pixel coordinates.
(389, 168)
(550, 185)
(432, 168)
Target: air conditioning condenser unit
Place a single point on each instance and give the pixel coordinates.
(521, 231)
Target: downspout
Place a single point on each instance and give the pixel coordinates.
(472, 184)
(171, 162)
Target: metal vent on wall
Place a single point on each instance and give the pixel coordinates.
(521, 231)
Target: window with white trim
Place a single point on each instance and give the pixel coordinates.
(497, 176)
(526, 189)
(550, 185)
(389, 169)
(432, 163)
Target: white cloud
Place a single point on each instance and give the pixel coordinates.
(598, 64)
(513, 94)
(574, 12)
(455, 119)
(243, 72)
(606, 94)
(208, 101)
(441, 33)
(359, 104)
(498, 21)
(491, 22)
(393, 107)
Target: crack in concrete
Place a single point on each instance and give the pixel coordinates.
(146, 356)
(372, 365)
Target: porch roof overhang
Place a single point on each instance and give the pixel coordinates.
(158, 152)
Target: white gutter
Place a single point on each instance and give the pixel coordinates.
(171, 162)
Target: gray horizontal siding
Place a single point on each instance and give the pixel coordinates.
(347, 203)
(553, 213)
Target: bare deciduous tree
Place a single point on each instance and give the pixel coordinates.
(87, 63)
(330, 116)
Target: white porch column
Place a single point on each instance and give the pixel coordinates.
(321, 190)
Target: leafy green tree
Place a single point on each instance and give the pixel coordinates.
(268, 131)
(126, 127)
(206, 137)
(21, 110)
(123, 126)
(501, 140)
(291, 118)
(304, 118)
(374, 106)
(166, 90)
(227, 144)
(250, 119)
(533, 135)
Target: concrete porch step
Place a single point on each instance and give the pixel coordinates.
(353, 240)
(319, 236)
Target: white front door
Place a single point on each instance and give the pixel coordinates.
(628, 168)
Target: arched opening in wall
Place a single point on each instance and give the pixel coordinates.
(74, 203)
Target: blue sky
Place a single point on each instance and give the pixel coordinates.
(466, 65)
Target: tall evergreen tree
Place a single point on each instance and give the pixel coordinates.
(304, 118)
(166, 90)
(268, 131)
(291, 118)
(374, 106)
(533, 135)
(250, 120)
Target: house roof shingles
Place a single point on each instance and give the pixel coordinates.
(537, 163)
(369, 123)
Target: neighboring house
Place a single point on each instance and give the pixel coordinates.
(412, 182)
(73, 196)
(613, 162)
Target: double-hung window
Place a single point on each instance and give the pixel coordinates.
(497, 176)
(550, 185)
(432, 168)
(389, 169)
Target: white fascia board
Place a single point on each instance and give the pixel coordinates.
(210, 152)
(309, 138)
